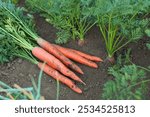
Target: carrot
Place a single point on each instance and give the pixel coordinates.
(54, 63)
(54, 51)
(76, 57)
(56, 75)
(87, 56)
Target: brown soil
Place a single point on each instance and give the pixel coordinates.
(20, 71)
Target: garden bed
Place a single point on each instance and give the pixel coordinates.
(128, 84)
(20, 71)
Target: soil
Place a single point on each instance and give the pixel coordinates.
(20, 71)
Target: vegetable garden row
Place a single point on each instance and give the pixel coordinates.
(120, 22)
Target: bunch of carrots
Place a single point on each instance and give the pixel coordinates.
(58, 59)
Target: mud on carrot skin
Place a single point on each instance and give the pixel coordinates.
(76, 57)
(54, 51)
(53, 62)
(58, 76)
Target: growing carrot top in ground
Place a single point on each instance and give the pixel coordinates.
(130, 81)
(73, 18)
(119, 22)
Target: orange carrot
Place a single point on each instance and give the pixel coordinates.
(56, 75)
(54, 63)
(87, 56)
(76, 57)
(54, 51)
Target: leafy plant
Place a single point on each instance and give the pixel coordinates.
(119, 23)
(71, 17)
(6, 49)
(129, 80)
(11, 29)
(129, 83)
(8, 46)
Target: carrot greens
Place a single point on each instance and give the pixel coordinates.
(119, 22)
(72, 18)
(129, 82)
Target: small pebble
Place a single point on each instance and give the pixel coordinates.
(34, 75)
(19, 61)
(8, 65)
(21, 74)
(13, 68)
(30, 76)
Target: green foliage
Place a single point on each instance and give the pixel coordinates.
(148, 45)
(62, 37)
(129, 80)
(129, 83)
(121, 21)
(15, 1)
(12, 30)
(147, 31)
(123, 59)
(134, 29)
(72, 17)
(15, 15)
(7, 48)
(14, 22)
